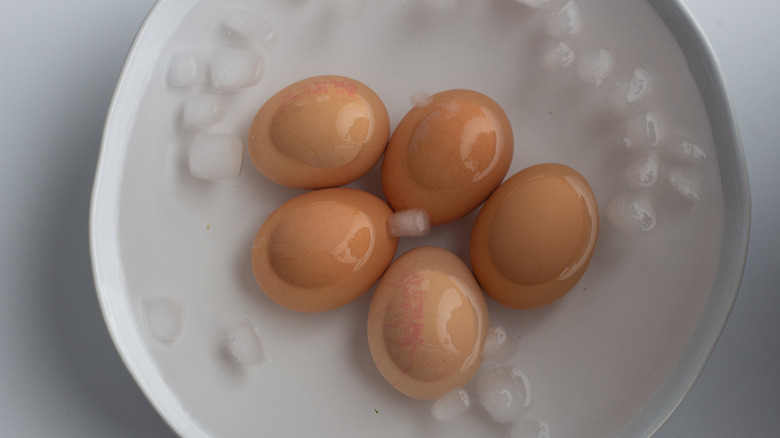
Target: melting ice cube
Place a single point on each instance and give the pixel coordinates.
(498, 345)
(627, 94)
(164, 318)
(251, 28)
(410, 223)
(644, 131)
(245, 346)
(504, 392)
(686, 151)
(451, 405)
(234, 69)
(643, 172)
(203, 110)
(185, 70)
(527, 428)
(630, 216)
(595, 67)
(567, 20)
(215, 156)
(684, 186)
(558, 56)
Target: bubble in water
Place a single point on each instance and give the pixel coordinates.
(215, 156)
(595, 67)
(245, 346)
(164, 318)
(203, 110)
(685, 186)
(643, 172)
(451, 405)
(234, 69)
(686, 151)
(420, 98)
(498, 345)
(441, 4)
(185, 70)
(504, 392)
(251, 28)
(567, 20)
(527, 428)
(558, 56)
(644, 131)
(410, 223)
(630, 216)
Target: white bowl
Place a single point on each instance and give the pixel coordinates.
(613, 358)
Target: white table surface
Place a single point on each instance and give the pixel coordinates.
(60, 375)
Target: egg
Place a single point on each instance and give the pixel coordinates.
(447, 156)
(426, 323)
(323, 249)
(534, 238)
(324, 131)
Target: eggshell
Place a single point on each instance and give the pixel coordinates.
(324, 131)
(427, 323)
(534, 237)
(447, 156)
(323, 249)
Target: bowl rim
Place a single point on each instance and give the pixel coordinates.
(708, 75)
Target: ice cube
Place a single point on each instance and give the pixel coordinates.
(420, 98)
(185, 70)
(498, 345)
(410, 223)
(451, 405)
(630, 216)
(251, 28)
(626, 94)
(640, 85)
(203, 110)
(441, 4)
(164, 318)
(684, 186)
(567, 20)
(234, 69)
(595, 67)
(558, 56)
(245, 346)
(643, 172)
(644, 131)
(504, 392)
(528, 428)
(215, 156)
(685, 151)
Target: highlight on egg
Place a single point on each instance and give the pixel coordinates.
(534, 238)
(427, 323)
(447, 155)
(323, 249)
(324, 131)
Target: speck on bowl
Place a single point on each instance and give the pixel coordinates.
(614, 357)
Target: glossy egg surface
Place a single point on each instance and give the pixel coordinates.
(324, 131)
(534, 237)
(447, 156)
(426, 323)
(323, 249)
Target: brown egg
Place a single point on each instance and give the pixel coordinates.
(426, 323)
(448, 156)
(535, 235)
(324, 131)
(323, 249)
